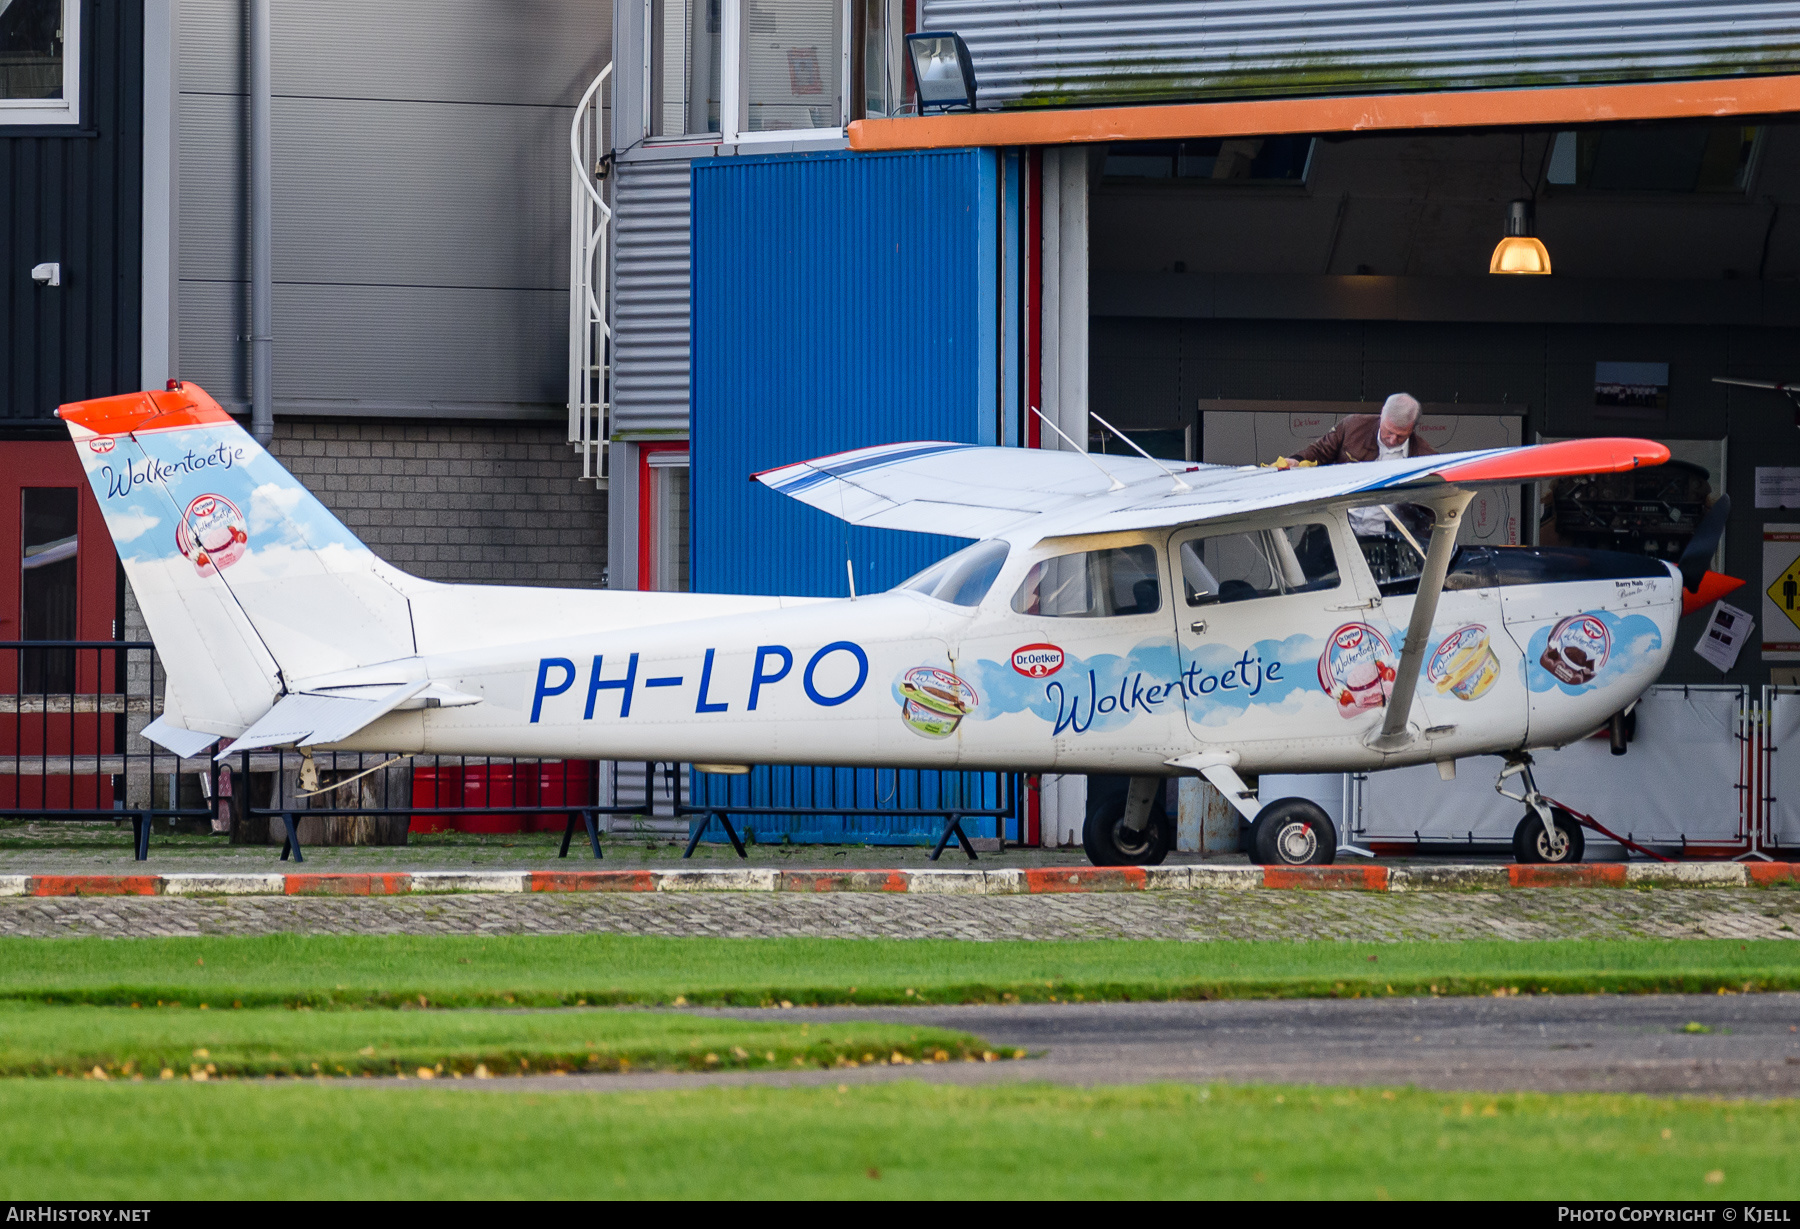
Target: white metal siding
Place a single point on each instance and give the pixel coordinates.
(421, 202)
(650, 298)
(1052, 52)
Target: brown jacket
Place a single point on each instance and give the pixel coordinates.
(1354, 439)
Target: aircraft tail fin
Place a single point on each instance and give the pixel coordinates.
(246, 581)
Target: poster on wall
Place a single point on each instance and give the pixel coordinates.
(1781, 593)
(1724, 636)
(1631, 390)
(1777, 486)
(1244, 436)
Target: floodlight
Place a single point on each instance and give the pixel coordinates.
(942, 70)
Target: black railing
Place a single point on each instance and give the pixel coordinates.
(71, 747)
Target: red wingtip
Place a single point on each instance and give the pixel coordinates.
(185, 405)
(1563, 459)
(1713, 586)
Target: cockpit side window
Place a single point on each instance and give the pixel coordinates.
(1236, 567)
(965, 577)
(1093, 584)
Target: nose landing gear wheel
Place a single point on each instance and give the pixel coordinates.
(1293, 832)
(1533, 845)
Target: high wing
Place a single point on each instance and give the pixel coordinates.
(965, 490)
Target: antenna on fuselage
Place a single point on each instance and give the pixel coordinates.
(1116, 484)
(1179, 484)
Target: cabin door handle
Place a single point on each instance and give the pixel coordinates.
(1198, 627)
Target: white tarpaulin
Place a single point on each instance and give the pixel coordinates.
(1783, 786)
(1679, 779)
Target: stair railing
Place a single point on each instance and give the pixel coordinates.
(590, 334)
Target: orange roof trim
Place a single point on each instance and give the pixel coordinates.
(1590, 104)
(186, 405)
(1563, 459)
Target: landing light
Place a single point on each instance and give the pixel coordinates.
(942, 70)
(1519, 252)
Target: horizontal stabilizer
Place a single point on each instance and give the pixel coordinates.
(308, 718)
(185, 743)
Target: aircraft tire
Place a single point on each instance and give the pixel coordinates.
(1103, 834)
(1532, 846)
(1293, 832)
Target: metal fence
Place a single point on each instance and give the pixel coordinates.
(72, 715)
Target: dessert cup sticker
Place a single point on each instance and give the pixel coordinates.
(1576, 649)
(1463, 664)
(1357, 669)
(1593, 649)
(933, 702)
(211, 532)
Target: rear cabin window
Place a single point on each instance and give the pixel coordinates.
(965, 577)
(1094, 584)
(1236, 567)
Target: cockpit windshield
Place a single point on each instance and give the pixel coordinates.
(965, 577)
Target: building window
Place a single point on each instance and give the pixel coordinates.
(47, 585)
(39, 61)
(793, 64)
(663, 517)
(684, 66)
(1670, 158)
(1234, 160)
(885, 86)
(741, 68)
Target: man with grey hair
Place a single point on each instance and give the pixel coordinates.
(1387, 436)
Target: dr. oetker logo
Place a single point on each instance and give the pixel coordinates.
(102, 443)
(212, 533)
(1036, 661)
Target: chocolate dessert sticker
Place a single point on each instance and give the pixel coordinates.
(1577, 649)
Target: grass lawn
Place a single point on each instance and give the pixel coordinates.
(72, 1140)
(186, 1043)
(564, 970)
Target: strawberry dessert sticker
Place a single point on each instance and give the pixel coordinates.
(212, 533)
(1357, 669)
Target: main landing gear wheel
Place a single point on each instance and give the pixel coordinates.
(1293, 832)
(1531, 844)
(1109, 842)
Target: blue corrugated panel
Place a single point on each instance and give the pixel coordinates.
(839, 300)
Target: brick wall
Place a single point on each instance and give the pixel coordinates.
(482, 503)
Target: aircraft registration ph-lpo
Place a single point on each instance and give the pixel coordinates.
(1114, 617)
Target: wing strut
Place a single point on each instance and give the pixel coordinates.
(1393, 734)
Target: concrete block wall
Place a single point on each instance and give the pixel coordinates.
(482, 503)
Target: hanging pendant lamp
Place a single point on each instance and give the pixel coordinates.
(1519, 252)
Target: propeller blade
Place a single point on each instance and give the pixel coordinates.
(1705, 541)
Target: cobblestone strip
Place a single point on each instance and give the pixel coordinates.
(1357, 877)
(1201, 915)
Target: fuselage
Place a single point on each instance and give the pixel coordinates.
(1112, 653)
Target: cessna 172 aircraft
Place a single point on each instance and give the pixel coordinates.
(1115, 617)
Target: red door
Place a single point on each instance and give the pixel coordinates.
(61, 708)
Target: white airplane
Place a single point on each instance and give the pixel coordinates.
(1115, 617)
